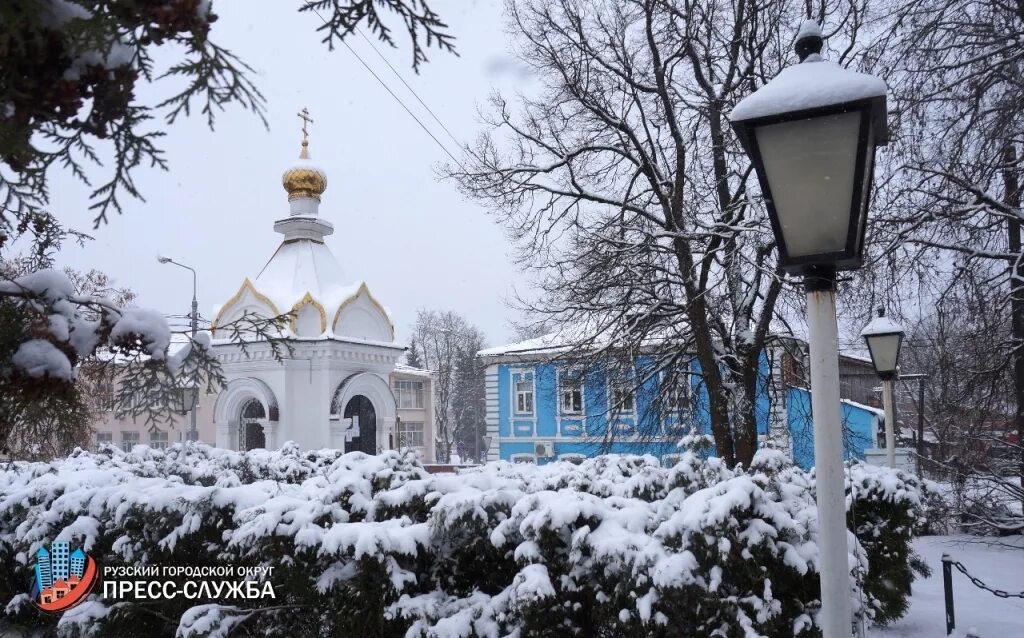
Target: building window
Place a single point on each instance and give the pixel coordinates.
(524, 394)
(678, 391)
(409, 394)
(129, 440)
(410, 434)
(523, 458)
(158, 440)
(573, 458)
(570, 385)
(623, 400)
(104, 438)
(103, 397)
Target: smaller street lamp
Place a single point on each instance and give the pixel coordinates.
(187, 397)
(884, 338)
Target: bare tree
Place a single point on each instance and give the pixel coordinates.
(444, 338)
(629, 198)
(956, 75)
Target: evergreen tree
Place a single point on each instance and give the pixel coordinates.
(412, 357)
(468, 399)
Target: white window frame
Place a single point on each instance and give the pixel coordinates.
(415, 393)
(685, 375)
(159, 444)
(124, 439)
(403, 430)
(109, 440)
(523, 458)
(613, 405)
(516, 392)
(578, 378)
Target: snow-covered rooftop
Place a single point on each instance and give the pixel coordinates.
(401, 368)
(546, 344)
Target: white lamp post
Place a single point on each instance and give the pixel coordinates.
(884, 338)
(811, 135)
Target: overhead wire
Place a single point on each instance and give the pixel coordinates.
(399, 100)
(458, 144)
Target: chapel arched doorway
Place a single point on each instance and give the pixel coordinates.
(250, 426)
(364, 419)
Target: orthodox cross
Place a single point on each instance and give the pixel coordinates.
(306, 120)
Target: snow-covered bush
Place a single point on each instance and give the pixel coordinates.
(886, 509)
(373, 545)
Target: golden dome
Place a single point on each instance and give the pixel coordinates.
(304, 180)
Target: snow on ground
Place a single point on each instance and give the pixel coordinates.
(991, 617)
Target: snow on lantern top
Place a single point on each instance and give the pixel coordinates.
(881, 326)
(812, 84)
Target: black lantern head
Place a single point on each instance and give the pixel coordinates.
(811, 135)
(187, 397)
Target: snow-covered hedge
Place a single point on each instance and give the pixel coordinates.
(373, 545)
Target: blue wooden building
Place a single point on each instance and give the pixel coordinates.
(543, 406)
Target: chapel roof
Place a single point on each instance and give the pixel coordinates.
(303, 276)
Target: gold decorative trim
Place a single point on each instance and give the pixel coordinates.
(307, 300)
(246, 285)
(363, 289)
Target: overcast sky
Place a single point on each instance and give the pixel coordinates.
(414, 239)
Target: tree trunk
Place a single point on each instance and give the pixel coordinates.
(745, 411)
(1012, 197)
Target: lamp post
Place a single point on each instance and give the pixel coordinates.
(193, 433)
(884, 338)
(811, 135)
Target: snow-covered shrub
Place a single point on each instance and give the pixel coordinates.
(886, 508)
(374, 545)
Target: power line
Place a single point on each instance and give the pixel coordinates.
(397, 99)
(411, 90)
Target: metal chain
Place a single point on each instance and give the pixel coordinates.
(978, 583)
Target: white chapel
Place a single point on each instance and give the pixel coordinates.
(341, 386)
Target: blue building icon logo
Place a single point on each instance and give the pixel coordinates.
(63, 578)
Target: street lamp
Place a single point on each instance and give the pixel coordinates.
(193, 433)
(884, 338)
(487, 438)
(187, 398)
(811, 135)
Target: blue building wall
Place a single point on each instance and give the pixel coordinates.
(856, 420)
(643, 431)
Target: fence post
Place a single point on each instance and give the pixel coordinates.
(947, 583)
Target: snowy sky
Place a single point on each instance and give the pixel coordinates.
(415, 240)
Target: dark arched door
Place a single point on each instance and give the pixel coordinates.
(250, 430)
(359, 407)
